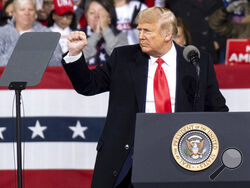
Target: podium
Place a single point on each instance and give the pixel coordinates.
(163, 156)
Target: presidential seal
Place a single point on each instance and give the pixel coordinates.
(195, 147)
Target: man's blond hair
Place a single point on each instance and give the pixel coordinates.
(165, 19)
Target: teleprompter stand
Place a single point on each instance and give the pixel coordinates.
(25, 67)
(18, 87)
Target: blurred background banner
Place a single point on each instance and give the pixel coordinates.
(238, 51)
(61, 128)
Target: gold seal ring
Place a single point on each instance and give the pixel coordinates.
(195, 147)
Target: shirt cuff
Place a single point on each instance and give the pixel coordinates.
(70, 59)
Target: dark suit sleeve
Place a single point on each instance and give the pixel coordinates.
(88, 82)
(214, 100)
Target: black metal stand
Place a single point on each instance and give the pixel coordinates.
(18, 87)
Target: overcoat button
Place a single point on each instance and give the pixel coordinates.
(115, 173)
(126, 147)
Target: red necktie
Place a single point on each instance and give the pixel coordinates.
(161, 90)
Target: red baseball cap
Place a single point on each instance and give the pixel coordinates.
(63, 6)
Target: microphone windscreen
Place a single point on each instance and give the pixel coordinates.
(188, 49)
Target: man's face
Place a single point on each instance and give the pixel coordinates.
(151, 39)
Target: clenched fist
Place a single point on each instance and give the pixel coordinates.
(77, 40)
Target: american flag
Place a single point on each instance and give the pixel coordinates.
(60, 128)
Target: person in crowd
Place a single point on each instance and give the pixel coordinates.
(195, 14)
(23, 21)
(101, 31)
(80, 14)
(127, 11)
(7, 12)
(63, 20)
(133, 75)
(221, 22)
(77, 2)
(44, 12)
(183, 37)
(2, 3)
(238, 14)
(1, 7)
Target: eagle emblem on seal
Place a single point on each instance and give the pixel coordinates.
(194, 148)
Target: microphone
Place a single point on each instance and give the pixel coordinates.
(192, 54)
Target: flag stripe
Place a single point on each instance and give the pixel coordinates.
(56, 129)
(55, 102)
(229, 77)
(53, 78)
(238, 100)
(48, 178)
(233, 76)
(53, 155)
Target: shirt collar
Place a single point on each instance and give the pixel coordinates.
(168, 57)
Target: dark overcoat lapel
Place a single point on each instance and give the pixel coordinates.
(139, 70)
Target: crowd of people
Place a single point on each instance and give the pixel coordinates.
(112, 23)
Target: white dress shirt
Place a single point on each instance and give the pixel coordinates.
(169, 67)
